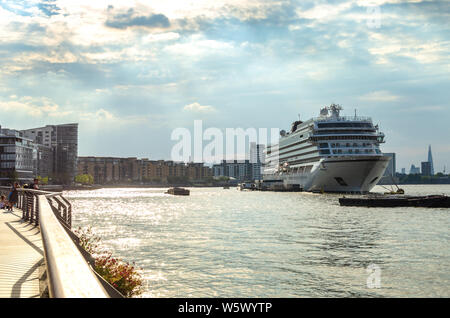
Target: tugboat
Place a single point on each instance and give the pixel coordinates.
(178, 191)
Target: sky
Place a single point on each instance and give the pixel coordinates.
(130, 72)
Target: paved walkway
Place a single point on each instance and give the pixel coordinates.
(21, 253)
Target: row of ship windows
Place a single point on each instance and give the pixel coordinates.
(346, 145)
(340, 125)
(305, 169)
(351, 137)
(349, 151)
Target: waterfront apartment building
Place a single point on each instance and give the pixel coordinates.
(110, 170)
(241, 170)
(16, 157)
(63, 142)
(42, 160)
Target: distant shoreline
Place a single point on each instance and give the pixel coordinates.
(158, 186)
(146, 186)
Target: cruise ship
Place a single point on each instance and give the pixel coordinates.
(330, 153)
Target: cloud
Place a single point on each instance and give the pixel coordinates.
(197, 108)
(30, 106)
(104, 116)
(121, 67)
(160, 37)
(197, 46)
(132, 19)
(380, 96)
(48, 8)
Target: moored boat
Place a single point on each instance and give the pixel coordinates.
(330, 153)
(429, 201)
(247, 186)
(178, 191)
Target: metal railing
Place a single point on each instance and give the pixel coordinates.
(68, 272)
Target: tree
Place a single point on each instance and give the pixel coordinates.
(84, 179)
(42, 180)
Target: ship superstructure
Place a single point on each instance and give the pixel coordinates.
(330, 153)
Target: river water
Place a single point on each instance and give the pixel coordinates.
(228, 243)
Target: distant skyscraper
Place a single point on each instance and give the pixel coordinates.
(430, 160)
(414, 170)
(257, 159)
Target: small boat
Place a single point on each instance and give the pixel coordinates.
(430, 201)
(178, 191)
(226, 187)
(247, 186)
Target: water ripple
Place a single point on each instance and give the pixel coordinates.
(227, 243)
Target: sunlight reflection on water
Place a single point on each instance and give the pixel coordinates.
(227, 243)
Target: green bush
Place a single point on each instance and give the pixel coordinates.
(84, 179)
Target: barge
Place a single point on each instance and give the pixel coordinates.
(429, 201)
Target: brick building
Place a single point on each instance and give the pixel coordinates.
(109, 170)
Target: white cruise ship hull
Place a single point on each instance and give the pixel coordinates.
(346, 174)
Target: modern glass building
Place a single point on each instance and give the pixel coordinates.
(16, 157)
(63, 140)
(241, 170)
